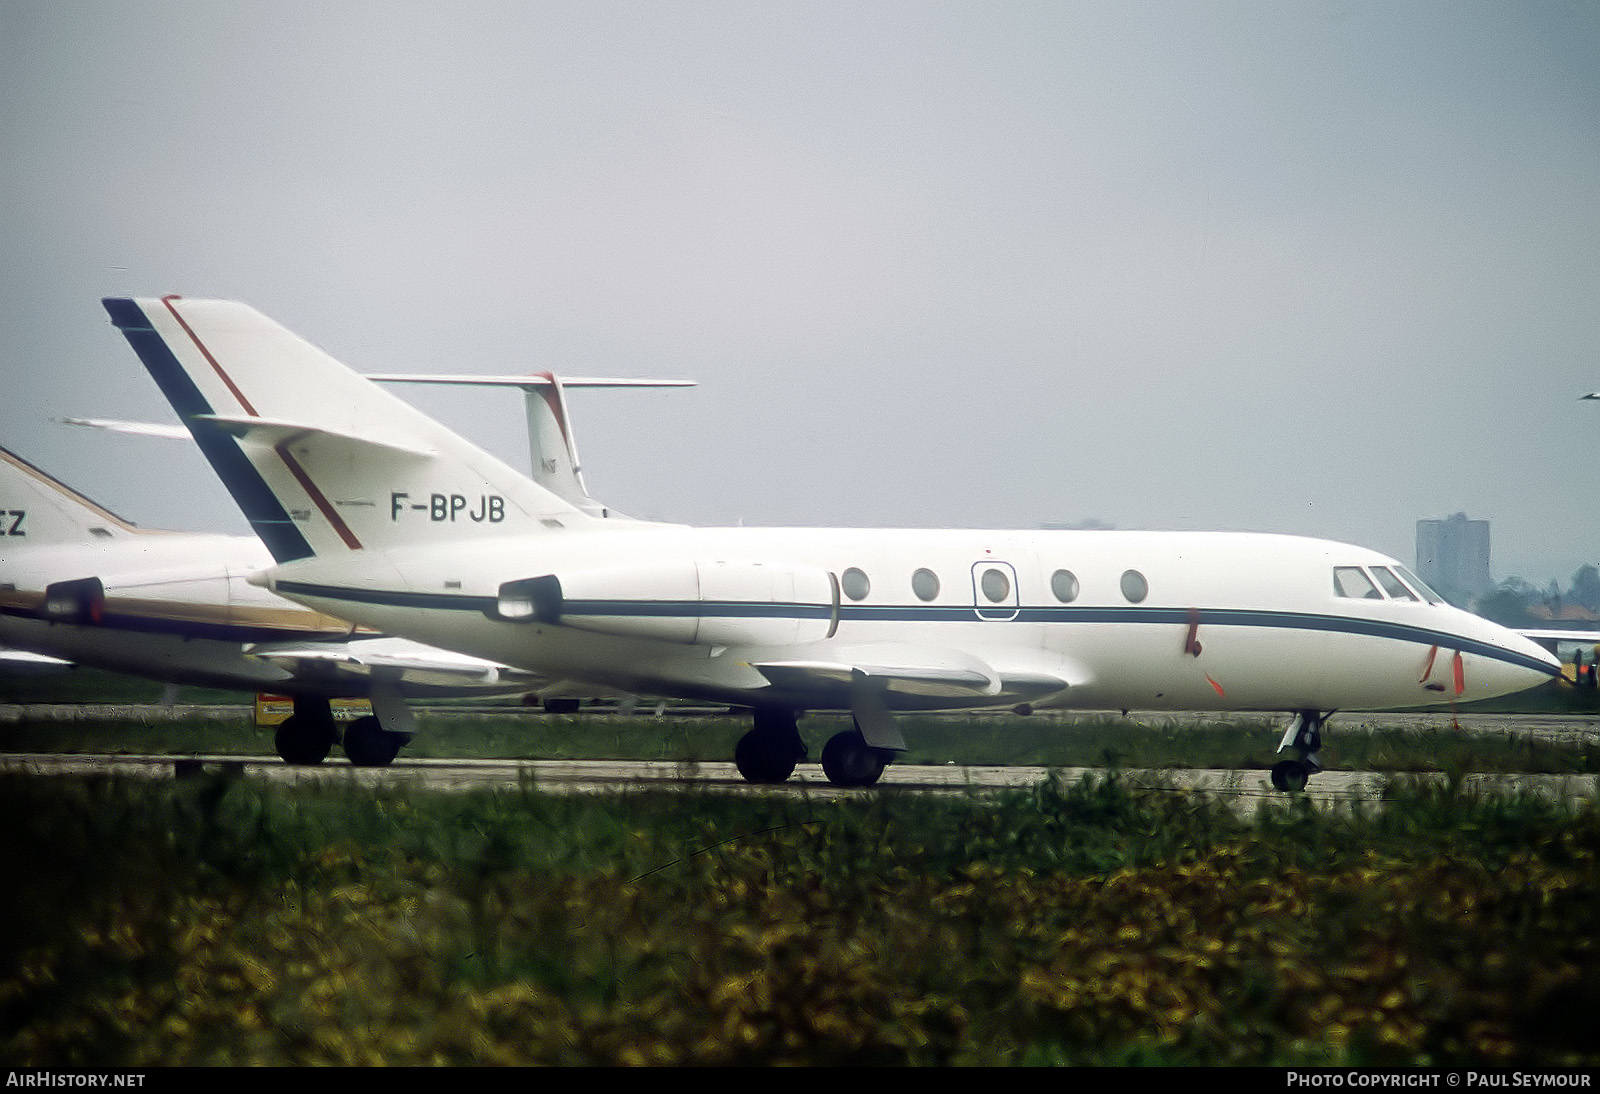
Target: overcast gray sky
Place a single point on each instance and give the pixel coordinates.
(1320, 268)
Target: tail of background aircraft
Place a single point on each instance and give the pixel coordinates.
(320, 459)
(552, 446)
(36, 509)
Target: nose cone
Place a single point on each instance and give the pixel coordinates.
(1505, 662)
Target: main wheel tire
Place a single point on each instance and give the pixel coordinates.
(301, 740)
(368, 744)
(848, 760)
(762, 759)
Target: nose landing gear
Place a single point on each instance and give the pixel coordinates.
(1304, 735)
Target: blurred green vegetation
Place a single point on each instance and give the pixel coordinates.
(75, 684)
(226, 920)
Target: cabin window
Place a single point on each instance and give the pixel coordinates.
(1353, 582)
(1064, 583)
(995, 585)
(854, 583)
(1134, 587)
(925, 583)
(1391, 584)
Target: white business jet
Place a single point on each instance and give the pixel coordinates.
(78, 584)
(376, 513)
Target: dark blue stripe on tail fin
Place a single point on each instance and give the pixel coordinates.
(261, 507)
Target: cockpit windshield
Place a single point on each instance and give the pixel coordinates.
(1418, 584)
(1364, 584)
(1353, 582)
(1391, 584)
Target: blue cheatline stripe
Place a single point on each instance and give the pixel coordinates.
(696, 609)
(1213, 617)
(261, 507)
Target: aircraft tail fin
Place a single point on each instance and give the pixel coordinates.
(37, 509)
(321, 460)
(552, 444)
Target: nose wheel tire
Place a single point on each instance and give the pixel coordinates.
(1304, 735)
(1290, 776)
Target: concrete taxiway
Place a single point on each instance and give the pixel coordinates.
(1245, 789)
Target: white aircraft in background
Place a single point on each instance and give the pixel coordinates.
(78, 584)
(376, 513)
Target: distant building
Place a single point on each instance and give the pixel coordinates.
(1453, 555)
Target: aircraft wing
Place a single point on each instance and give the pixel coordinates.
(24, 659)
(946, 681)
(1549, 637)
(410, 662)
(908, 673)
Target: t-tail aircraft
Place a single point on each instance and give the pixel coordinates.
(79, 584)
(376, 513)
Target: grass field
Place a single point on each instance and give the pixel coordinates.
(231, 921)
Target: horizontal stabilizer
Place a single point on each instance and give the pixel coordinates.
(552, 445)
(276, 431)
(137, 429)
(530, 381)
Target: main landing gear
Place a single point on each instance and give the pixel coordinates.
(1304, 735)
(368, 744)
(769, 752)
(848, 760)
(308, 735)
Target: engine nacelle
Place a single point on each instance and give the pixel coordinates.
(717, 603)
(79, 601)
